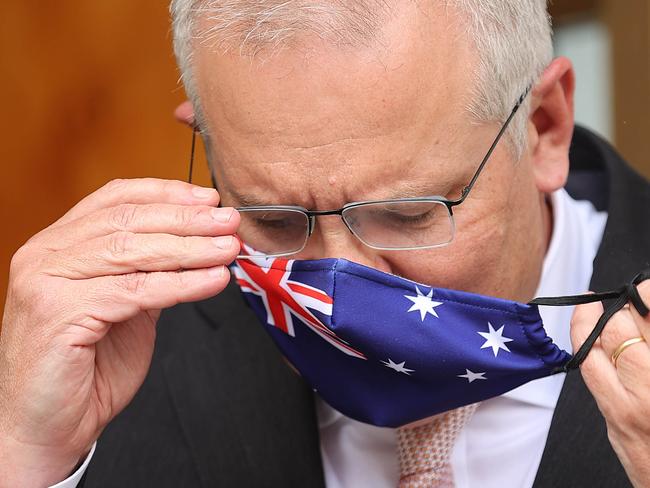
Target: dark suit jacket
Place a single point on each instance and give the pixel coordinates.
(220, 408)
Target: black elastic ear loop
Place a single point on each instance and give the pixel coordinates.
(633, 293)
(195, 129)
(192, 150)
(622, 295)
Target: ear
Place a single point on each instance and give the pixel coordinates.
(184, 114)
(551, 125)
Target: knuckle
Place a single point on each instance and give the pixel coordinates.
(123, 216)
(116, 185)
(185, 216)
(29, 293)
(583, 315)
(576, 318)
(166, 185)
(24, 264)
(591, 374)
(170, 188)
(624, 417)
(120, 244)
(615, 333)
(189, 245)
(134, 283)
(18, 260)
(182, 279)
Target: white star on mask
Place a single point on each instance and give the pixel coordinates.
(471, 376)
(494, 339)
(423, 304)
(399, 367)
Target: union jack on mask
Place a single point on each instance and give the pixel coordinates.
(388, 351)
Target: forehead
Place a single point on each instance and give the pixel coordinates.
(318, 115)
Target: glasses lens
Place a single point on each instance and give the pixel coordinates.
(401, 224)
(273, 232)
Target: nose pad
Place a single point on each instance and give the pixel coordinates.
(313, 220)
(328, 240)
(312, 224)
(347, 226)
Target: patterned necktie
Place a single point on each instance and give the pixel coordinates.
(424, 450)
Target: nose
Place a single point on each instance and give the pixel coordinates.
(332, 239)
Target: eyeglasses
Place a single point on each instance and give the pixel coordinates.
(391, 225)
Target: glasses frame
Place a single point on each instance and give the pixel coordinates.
(312, 214)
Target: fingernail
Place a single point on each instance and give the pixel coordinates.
(203, 193)
(223, 242)
(217, 272)
(222, 214)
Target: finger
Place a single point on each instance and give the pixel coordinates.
(643, 323)
(597, 369)
(118, 298)
(611, 384)
(180, 220)
(583, 322)
(633, 363)
(603, 382)
(620, 328)
(142, 191)
(126, 252)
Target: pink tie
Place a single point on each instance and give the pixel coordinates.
(424, 449)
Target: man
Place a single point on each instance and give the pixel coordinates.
(318, 104)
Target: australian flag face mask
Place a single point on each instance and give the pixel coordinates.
(388, 351)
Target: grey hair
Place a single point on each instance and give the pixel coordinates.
(512, 40)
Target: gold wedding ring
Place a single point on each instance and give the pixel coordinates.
(624, 346)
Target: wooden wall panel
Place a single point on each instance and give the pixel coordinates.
(629, 26)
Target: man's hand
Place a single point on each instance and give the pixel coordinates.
(618, 375)
(79, 324)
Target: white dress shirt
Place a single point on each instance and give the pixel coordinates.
(501, 446)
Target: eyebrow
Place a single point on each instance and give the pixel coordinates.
(425, 189)
(407, 190)
(249, 200)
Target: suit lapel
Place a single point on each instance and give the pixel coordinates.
(247, 419)
(577, 451)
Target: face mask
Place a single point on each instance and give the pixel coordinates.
(388, 351)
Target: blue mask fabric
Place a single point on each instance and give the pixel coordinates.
(387, 351)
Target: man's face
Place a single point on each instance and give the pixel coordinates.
(318, 126)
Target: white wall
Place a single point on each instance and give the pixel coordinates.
(587, 44)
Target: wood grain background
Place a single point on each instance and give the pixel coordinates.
(88, 90)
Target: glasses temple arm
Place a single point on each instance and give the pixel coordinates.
(189, 177)
(504, 127)
(192, 153)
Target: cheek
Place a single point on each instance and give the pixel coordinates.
(462, 265)
(472, 261)
(498, 248)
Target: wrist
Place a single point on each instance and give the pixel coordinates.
(28, 466)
